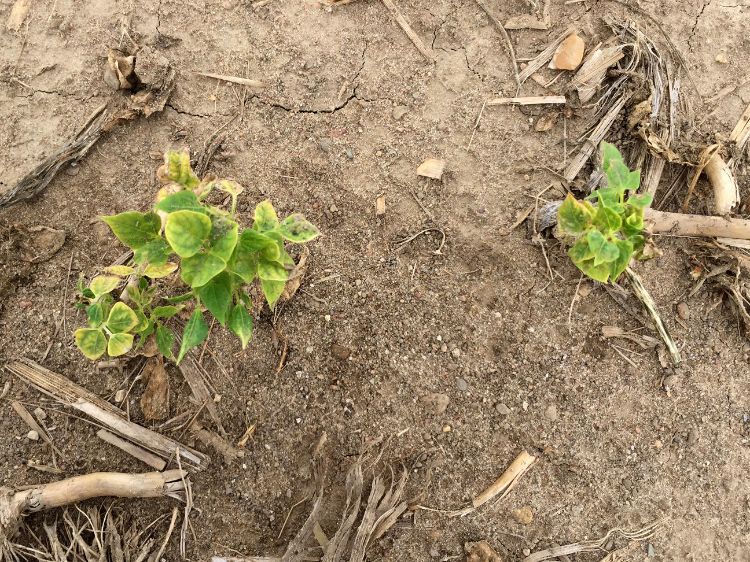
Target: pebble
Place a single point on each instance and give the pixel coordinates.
(462, 385)
(551, 413)
(40, 414)
(325, 145)
(721, 58)
(523, 515)
(340, 352)
(683, 311)
(399, 111)
(327, 318)
(33, 435)
(651, 551)
(480, 552)
(438, 402)
(349, 153)
(503, 409)
(456, 353)
(447, 428)
(120, 396)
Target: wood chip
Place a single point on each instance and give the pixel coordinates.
(589, 77)
(211, 439)
(569, 53)
(155, 397)
(234, 79)
(431, 168)
(543, 58)
(529, 100)
(380, 206)
(132, 449)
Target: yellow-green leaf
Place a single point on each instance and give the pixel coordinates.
(122, 318)
(103, 284)
(119, 270)
(158, 271)
(201, 268)
(272, 271)
(241, 323)
(195, 332)
(119, 344)
(216, 295)
(91, 342)
(186, 231)
(265, 217)
(134, 229)
(298, 229)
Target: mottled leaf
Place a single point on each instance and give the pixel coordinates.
(186, 231)
(103, 284)
(134, 229)
(298, 229)
(265, 217)
(573, 216)
(155, 252)
(201, 268)
(122, 318)
(165, 341)
(153, 271)
(91, 342)
(119, 344)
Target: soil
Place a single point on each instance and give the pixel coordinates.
(351, 110)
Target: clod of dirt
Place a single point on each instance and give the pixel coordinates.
(399, 111)
(683, 311)
(119, 73)
(551, 413)
(569, 53)
(340, 352)
(503, 409)
(523, 515)
(545, 122)
(37, 243)
(721, 58)
(33, 435)
(480, 552)
(438, 403)
(152, 68)
(431, 168)
(155, 398)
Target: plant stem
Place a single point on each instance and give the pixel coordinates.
(648, 302)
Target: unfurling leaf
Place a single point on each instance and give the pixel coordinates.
(177, 168)
(186, 231)
(119, 344)
(103, 284)
(165, 341)
(91, 342)
(265, 217)
(241, 323)
(122, 318)
(573, 217)
(298, 229)
(158, 271)
(195, 332)
(134, 229)
(216, 295)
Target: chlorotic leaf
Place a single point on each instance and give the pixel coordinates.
(180, 201)
(596, 240)
(103, 284)
(641, 201)
(608, 253)
(134, 229)
(119, 344)
(91, 342)
(177, 168)
(223, 238)
(229, 186)
(165, 341)
(186, 231)
(596, 272)
(119, 270)
(272, 290)
(623, 259)
(241, 323)
(607, 220)
(580, 251)
(122, 318)
(195, 332)
(142, 324)
(573, 217)
(155, 252)
(158, 271)
(216, 295)
(298, 229)
(201, 268)
(272, 271)
(265, 217)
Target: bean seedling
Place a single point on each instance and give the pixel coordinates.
(216, 260)
(608, 234)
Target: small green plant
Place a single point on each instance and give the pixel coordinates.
(217, 263)
(607, 235)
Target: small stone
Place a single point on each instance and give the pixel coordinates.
(40, 414)
(120, 395)
(325, 145)
(434, 552)
(683, 311)
(333, 209)
(309, 349)
(462, 385)
(670, 382)
(569, 54)
(651, 551)
(503, 409)
(480, 552)
(721, 58)
(349, 153)
(551, 413)
(32, 435)
(523, 515)
(437, 402)
(340, 352)
(327, 318)
(526, 552)
(447, 428)
(456, 352)
(399, 111)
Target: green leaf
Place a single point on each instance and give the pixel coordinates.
(609, 197)
(272, 271)
(165, 311)
(641, 201)
(91, 342)
(596, 272)
(272, 291)
(186, 231)
(119, 270)
(195, 332)
(607, 220)
(223, 238)
(298, 229)
(608, 253)
(580, 251)
(573, 216)
(180, 201)
(613, 165)
(134, 229)
(119, 344)
(265, 217)
(158, 271)
(241, 323)
(596, 240)
(623, 259)
(632, 181)
(103, 284)
(216, 295)
(155, 252)
(143, 322)
(180, 298)
(177, 169)
(244, 264)
(122, 318)
(95, 314)
(201, 268)
(165, 341)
